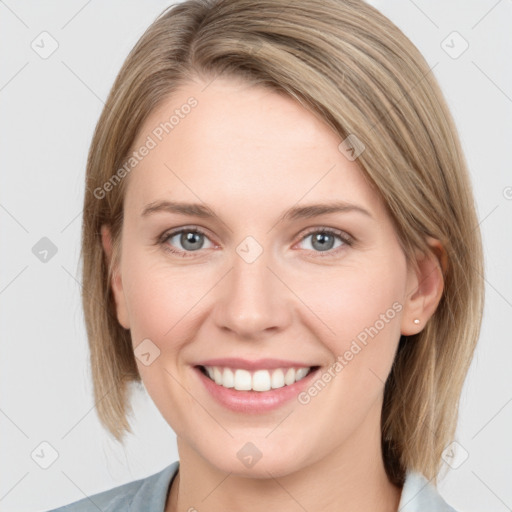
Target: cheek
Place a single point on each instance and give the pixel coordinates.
(159, 297)
(349, 303)
(161, 303)
(362, 309)
(365, 318)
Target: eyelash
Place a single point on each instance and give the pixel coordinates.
(344, 237)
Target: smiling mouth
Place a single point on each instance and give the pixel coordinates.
(258, 380)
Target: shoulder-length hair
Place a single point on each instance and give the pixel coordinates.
(350, 65)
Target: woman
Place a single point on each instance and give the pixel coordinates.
(310, 351)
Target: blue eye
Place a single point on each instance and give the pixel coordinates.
(193, 240)
(324, 239)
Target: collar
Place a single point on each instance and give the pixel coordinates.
(418, 493)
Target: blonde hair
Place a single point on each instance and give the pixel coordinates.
(350, 65)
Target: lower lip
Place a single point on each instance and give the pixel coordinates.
(254, 401)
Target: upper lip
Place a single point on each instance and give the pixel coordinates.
(257, 364)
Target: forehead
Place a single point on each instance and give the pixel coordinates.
(239, 145)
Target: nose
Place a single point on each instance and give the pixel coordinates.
(253, 301)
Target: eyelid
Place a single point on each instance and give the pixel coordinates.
(346, 238)
(166, 235)
(192, 228)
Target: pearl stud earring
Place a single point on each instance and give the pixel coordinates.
(416, 321)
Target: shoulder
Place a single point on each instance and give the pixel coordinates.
(147, 494)
(418, 495)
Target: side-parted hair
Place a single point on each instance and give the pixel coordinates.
(352, 67)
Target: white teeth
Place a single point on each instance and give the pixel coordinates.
(301, 373)
(242, 380)
(228, 378)
(289, 376)
(277, 379)
(260, 380)
(217, 375)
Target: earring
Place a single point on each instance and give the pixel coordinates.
(416, 321)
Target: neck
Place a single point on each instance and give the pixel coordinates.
(351, 478)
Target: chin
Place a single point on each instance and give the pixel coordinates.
(259, 459)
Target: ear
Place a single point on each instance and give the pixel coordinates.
(116, 282)
(424, 288)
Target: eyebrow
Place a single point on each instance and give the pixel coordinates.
(293, 213)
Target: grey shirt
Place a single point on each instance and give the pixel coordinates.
(150, 494)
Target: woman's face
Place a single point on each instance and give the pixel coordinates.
(267, 283)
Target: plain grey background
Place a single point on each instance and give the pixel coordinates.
(50, 104)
